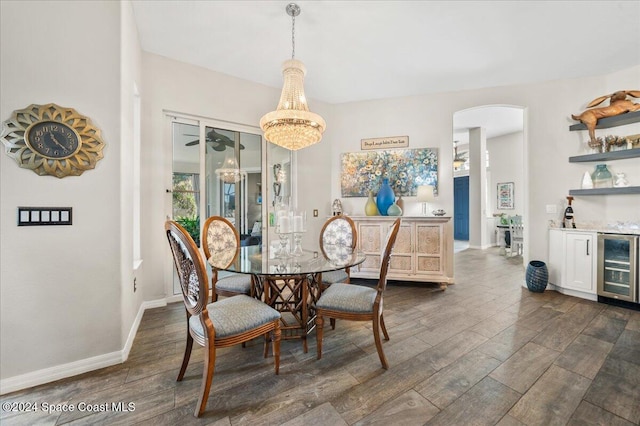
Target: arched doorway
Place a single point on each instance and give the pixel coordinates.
(490, 149)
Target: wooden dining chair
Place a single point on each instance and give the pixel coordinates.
(220, 324)
(219, 235)
(338, 231)
(359, 303)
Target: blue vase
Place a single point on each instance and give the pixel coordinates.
(385, 197)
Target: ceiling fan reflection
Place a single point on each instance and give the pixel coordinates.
(218, 141)
(458, 159)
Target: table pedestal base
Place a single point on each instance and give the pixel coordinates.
(294, 296)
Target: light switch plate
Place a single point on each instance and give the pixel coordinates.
(552, 208)
(41, 216)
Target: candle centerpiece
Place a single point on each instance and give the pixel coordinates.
(299, 226)
(283, 229)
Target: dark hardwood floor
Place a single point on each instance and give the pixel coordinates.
(487, 351)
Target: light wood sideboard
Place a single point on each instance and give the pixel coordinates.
(423, 251)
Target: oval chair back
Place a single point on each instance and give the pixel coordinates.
(339, 230)
(220, 241)
(189, 266)
(219, 236)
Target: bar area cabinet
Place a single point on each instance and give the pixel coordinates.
(423, 251)
(572, 262)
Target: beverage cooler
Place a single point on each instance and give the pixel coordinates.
(618, 267)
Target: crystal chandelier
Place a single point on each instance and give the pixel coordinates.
(292, 125)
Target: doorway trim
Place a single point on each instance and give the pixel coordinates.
(525, 172)
(202, 122)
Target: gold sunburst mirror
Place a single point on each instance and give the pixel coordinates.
(52, 140)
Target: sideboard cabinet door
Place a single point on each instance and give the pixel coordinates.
(370, 242)
(429, 249)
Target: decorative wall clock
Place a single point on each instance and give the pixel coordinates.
(52, 140)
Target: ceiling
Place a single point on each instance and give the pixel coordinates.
(360, 50)
(363, 50)
(496, 120)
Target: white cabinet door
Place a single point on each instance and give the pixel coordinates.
(580, 260)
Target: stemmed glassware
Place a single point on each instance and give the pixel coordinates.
(299, 226)
(291, 223)
(283, 229)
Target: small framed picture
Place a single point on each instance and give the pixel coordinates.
(505, 196)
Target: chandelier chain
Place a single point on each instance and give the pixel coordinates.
(293, 37)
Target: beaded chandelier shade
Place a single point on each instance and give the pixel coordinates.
(230, 172)
(292, 125)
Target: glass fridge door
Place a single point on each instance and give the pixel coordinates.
(617, 266)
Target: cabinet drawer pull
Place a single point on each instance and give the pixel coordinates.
(587, 247)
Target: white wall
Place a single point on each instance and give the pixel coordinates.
(506, 159)
(60, 285)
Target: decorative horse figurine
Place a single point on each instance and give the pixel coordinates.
(619, 104)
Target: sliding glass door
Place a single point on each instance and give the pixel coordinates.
(235, 196)
(203, 153)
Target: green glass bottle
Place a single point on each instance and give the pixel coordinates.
(602, 177)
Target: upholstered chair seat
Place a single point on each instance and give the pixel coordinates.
(348, 298)
(235, 315)
(332, 277)
(235, 283)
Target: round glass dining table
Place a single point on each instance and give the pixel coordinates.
(288, 283)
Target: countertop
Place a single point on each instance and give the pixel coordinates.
(627, 229)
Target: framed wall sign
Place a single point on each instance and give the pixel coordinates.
(505, 196)
(384, 143)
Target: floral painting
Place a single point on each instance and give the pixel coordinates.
(406, 169)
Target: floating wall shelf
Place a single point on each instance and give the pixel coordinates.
(604, 156)
(616, 120)
(605, 123)
(606, 191)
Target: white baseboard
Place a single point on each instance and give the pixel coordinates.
(74, 368)
(574, 293)
(58, 372)
(174, 298)
(136, 323)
